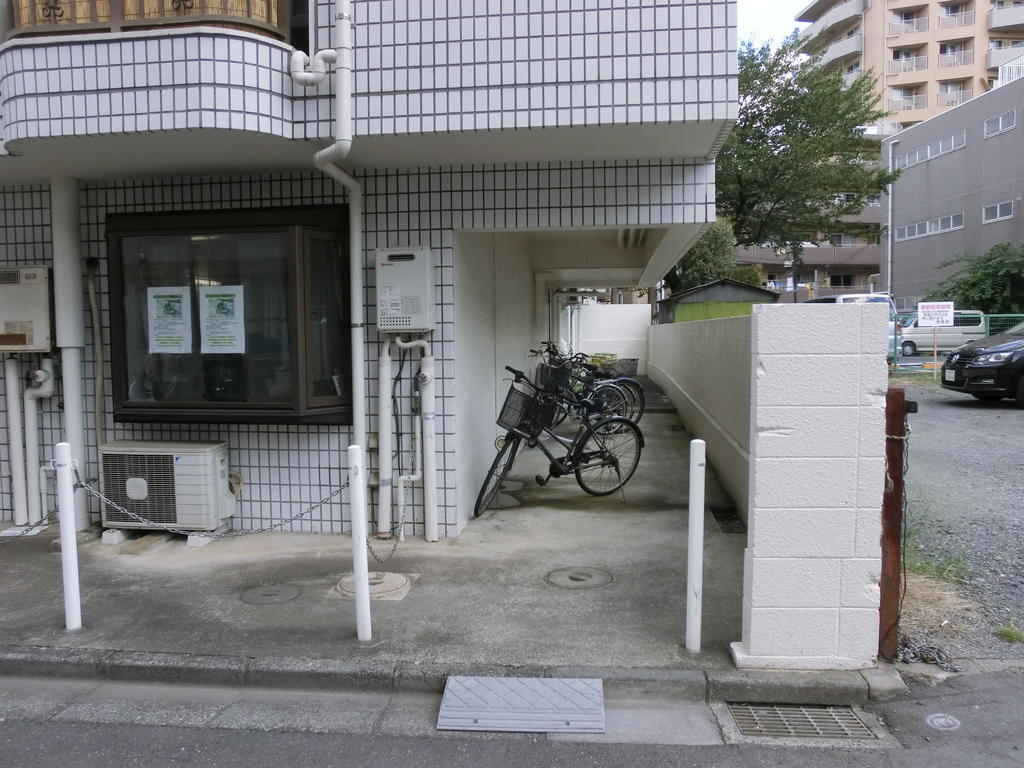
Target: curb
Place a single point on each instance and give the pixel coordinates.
(763, 686)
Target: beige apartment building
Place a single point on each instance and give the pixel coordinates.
(928, 55)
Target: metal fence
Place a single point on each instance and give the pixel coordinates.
(999, 323)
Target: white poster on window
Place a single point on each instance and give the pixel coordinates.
(170, 320)
(222, 319)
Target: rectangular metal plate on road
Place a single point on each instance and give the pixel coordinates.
(524, 704)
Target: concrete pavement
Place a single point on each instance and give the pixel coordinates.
(264, 609)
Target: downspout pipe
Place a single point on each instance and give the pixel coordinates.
(15, 438)
(327, 160)
(69, 304)
(40, 387)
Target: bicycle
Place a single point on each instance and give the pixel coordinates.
(579, 379)
(603, 454)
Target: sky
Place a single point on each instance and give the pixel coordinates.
(765, 20)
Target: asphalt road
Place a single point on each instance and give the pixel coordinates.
(971, 720)
(965, 503)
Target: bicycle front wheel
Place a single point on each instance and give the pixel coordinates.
(609, 456)
(499, 470)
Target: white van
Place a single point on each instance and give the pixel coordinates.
(968, 325)
(895, 338)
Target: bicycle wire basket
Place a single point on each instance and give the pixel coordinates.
(525, 411)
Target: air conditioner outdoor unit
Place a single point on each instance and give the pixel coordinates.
(173, 485)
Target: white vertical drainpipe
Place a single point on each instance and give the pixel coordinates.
(41, 387)
(327, 161)
(695, 548)
(15, 438)
(70, 310)
(428, 445)
(384, 442)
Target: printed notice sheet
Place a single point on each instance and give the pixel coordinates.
(222, 319)
(170, 320)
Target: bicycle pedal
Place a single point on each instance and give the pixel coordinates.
(542, 481)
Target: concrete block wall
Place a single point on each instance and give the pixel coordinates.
(817, 472)
(704, 368)
(815, 458)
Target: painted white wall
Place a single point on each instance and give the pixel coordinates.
(619, 329)
(704, 368)
(816, 468)
(475, 382)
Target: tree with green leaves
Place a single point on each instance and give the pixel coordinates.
(992, 282)
(711, 258)
(798, 160)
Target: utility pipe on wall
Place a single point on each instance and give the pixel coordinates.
(385, 478)
(41, 386)
(15, 438)
(99, 394)
(427, 414)
(70, 310)
(327, 161)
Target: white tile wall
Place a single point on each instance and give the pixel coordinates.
(422, 66)
(288, 467)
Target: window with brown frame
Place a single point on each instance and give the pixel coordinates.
(231, 316)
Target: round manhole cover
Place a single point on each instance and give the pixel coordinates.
(579, 577)
(270, 594)
(383, 585)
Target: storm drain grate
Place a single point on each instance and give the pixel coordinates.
(799, 721)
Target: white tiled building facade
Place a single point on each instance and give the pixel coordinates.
(634, 99)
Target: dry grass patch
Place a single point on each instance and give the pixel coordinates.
(934, 607)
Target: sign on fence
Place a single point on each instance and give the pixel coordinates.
(934, 314)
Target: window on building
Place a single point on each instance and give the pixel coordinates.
(1003, 122)
(231, 316)
(930, 227)
(840, 281)
(997, 212)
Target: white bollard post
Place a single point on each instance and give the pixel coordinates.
(695, 555)
(68, 538)
(360, 574)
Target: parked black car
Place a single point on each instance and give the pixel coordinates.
(990, 368)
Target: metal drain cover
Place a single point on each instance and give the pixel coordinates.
(799, 721)
(270, 594)
(580, 577)
(524, 704)
(383, 586)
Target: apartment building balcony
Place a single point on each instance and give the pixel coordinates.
(997, 57)
(956, 20)
(958, 59)
(954, 98)
(56, 17)
(850, 77)
(1006, 19)
(833, 19)
(848, 46)
(907, 103)
(912, 64)
(910, 27)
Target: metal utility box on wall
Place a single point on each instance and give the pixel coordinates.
(25, 314)
(405, 290)
(176, 485)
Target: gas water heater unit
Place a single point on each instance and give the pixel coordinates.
(405, 290)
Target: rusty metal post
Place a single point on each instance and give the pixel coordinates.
(896, 408)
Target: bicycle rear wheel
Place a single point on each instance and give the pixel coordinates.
(635, 391)
(612, 399)
(609, 456)
(499, 470)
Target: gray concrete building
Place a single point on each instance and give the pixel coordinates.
(959, 191)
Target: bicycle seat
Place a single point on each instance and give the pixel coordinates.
(591, 405)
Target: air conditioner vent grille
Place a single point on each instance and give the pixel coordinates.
(158, 471)
(10, 276)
